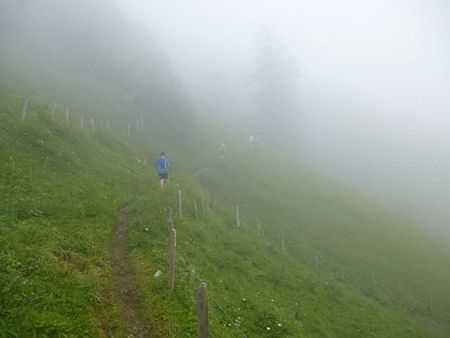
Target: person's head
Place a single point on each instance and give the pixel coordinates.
(162, 153)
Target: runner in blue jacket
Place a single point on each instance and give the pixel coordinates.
(162, 163)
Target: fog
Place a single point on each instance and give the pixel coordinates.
(373, 86)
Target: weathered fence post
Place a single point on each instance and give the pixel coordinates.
(25, 109)
(82, 121)
(207, 199)
(172, 254)
(317, 261)
(205, 212)
(238, 217)
(67, 116)
(180, 204)
(170, 222)
(195, 209)
(202, 311)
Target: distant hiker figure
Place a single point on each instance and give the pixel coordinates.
(222, 151)
(251, 141)
(163, 169)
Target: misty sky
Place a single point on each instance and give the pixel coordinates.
(374, 85)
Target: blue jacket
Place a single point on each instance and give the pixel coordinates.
(163, 165)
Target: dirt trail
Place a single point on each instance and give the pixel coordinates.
(124, 281)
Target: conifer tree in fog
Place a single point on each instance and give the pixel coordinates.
(275, 76)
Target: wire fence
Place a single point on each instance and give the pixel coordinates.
(27, 108)
(57, 112)
(211, 296)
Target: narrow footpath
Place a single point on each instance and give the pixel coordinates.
(124, 281)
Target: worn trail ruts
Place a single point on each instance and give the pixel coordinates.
(124, 281)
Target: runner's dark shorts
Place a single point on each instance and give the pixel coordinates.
(163, 176)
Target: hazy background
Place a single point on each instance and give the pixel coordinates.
(374, 84)
(373, 89)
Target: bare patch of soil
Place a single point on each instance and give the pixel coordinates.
(124, 280)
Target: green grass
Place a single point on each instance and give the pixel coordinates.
(378, 276)
(60, 189)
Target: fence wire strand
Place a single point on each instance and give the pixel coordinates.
(211, 295)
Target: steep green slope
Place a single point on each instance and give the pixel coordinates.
(386, 257)
(350, 242)
(60, 190)
(349, 269)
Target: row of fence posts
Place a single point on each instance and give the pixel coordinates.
(202, 295)
(195, 209)
(172, 231)
(206, 207)
(139, 123)
(101, 125)
(202, 299)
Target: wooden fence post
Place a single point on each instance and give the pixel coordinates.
(195, 209)
(317, 261)
(238, 217)
(202, 311)
(180, 204)
(172, 254)
(205, 212)
(170, 222)
(207, 200)
(25, 109)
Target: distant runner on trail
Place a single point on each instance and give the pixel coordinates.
(251, 141)
(222, 151)
(163, 169)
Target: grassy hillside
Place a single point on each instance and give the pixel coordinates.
(347, 269)
(58, 205)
